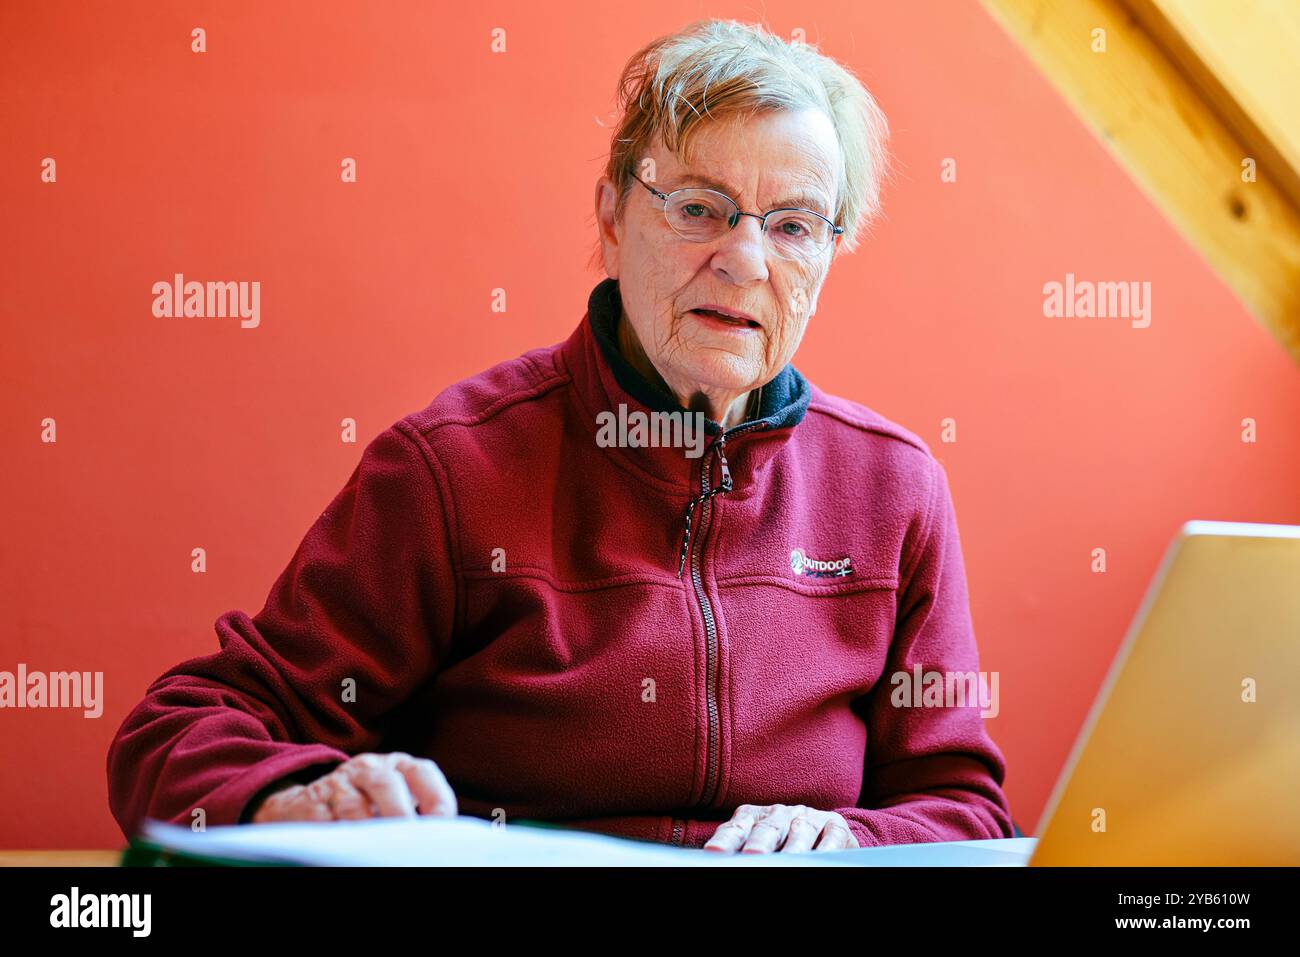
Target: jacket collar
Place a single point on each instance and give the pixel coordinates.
(604, 380)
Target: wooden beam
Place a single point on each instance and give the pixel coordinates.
(1243, 58)
(1181, 111)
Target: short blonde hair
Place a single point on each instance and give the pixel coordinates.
(717, 68)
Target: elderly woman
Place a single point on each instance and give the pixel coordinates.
(534, 599)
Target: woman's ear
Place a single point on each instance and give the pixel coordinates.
(607, 225)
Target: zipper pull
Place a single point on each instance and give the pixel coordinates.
(721, 445)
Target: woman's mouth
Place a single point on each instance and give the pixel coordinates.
(718, 320)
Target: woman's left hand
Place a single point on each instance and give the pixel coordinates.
(785, 827)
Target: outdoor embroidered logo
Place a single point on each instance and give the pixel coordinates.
(801, 564)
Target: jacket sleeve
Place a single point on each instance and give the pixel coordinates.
(930, 773)
(358, 621)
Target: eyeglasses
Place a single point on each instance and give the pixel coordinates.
(701, 215)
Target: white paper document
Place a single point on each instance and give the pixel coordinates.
(473, 842)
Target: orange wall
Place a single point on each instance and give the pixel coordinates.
(476, 171)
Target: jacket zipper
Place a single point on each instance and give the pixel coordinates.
(712, 769)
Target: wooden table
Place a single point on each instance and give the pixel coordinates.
(60, 858)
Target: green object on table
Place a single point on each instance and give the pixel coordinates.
(145, 853)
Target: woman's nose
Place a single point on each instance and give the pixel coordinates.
(742, 250)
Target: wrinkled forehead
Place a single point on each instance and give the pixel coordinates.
(796, 158)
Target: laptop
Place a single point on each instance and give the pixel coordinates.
(1191, 752)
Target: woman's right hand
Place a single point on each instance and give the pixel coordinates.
(364, 786)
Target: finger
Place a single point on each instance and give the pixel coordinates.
(770, 830)
(836, 837)
(766, 835)
(803, 833)
(272, 807)
(386, 788)
(730, 836)
(299, 804)
(346, 801)
(429, 786)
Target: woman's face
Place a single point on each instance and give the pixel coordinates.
(759, 162)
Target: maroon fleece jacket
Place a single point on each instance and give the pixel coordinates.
(524, 604)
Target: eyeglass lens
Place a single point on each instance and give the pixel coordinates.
(701, 215)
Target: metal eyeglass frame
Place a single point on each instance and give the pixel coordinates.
(761, 217)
